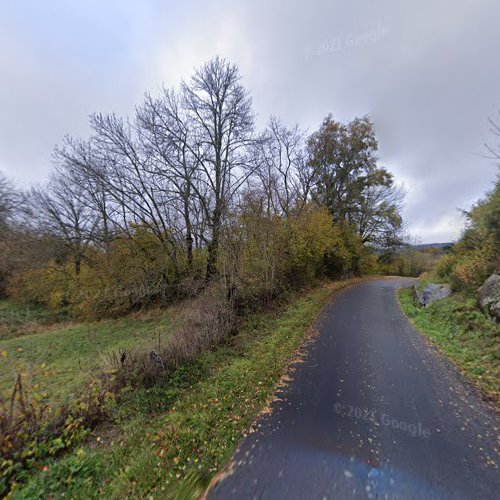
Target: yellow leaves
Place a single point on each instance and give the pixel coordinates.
(109, 396)
(48, 286)
(4, 354)
(83, 406)
(309, 237)
(271, 249)
(56, 300)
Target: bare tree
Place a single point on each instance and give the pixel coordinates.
(142, 197)
(58, 209)
(494, 150)
(165, 131)
(220, 110)
(9, 199)
(281, 168)
(83, 168)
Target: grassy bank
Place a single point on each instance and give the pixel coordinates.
(462, 331)
(18, 320)
(61, 358)
(170, 440)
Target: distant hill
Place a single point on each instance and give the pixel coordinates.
(423, 246)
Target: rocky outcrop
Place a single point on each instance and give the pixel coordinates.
(430, 292)
(489, 296)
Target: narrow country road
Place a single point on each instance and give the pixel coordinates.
(372, 412)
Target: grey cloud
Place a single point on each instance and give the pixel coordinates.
(424, 71)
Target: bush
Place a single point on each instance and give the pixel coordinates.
(477, 254)
(444, 267)
(51, 286)
(310, 237)
(206, 322)
(261, 255)
(32, 431)
(468, 266)
(253, 259)
(133, 273)
(264, 255)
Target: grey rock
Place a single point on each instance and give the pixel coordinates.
(489, 296)
(157, 360)
(430, 292)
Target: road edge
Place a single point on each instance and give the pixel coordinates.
(310, 335)
(451, 364)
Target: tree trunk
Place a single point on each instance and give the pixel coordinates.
(189, 230)
(189, 245)
(78, 264)
(213, 248)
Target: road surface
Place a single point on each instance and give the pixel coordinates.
(372, 412)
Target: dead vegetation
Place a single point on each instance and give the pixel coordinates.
(201, 325)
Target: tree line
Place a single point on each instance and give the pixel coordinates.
(187, 191)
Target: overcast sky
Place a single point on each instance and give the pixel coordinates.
(427, 73)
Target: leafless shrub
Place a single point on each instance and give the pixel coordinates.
(22, 412)
(31, 430)
(205, 322)
(190, 287)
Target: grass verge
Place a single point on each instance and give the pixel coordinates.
(61, 359)
(17, 320)
(462, 332)
(170, 440)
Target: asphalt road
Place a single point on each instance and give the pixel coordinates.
(372, 412)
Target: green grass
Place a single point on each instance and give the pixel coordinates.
(61, 359)
(17, 319)
(464, 333)
(169, 441)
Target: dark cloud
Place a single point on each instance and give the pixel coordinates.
(424, 71)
